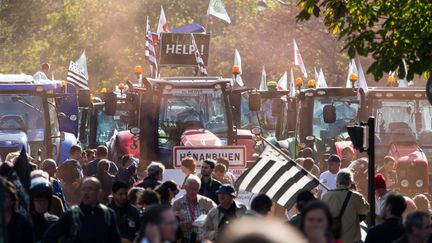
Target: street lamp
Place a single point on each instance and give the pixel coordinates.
(262, 4)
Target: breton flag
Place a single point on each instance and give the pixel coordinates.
(77, 73)
(200, 63)
(150, 52)
(298, 60)
(163, 24)
(217, 9)
(263, 84)
(279, 178)
(283, 82)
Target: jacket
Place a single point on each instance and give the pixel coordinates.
(356, 206)
(127, 220)
(204, 205)
(209, 189)
(214, 217)
(389, 231)
(149, 182)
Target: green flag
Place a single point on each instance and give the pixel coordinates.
(217, 9)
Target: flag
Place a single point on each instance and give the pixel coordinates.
(351, 70)
(316, 74)
(263, 84)
(321, 83)
(77, 73)
(163, 24)
(279, 178)
(298, 60)
(362, 84)
(237, 61)
(150, 52)
(403, 83)
(283, 82)
(217, 9)
(292, 87)
(200, 63)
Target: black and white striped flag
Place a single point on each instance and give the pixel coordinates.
(77, 73)
(200, 63)
(150, 52)
(277, 177)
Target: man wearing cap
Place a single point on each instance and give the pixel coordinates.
(209, 186)
(223, 214)
(328, 177)
(381, 193)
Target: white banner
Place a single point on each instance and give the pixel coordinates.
(236, 155)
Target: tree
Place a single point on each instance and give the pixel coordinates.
(387, 30)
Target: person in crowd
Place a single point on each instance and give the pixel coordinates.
(167, 191)
(417, 228)
(91, 155)
(106, 180)
(91, 221)
(422, 202)
(328, 177)
(302, 199)
(56, 205)
(209, 185)
(190, 206)
(260, 230)
(16, 223)
(348, 155)
(388, 171)
(155, 171)
(261, 206)
(381, 194)
(309, 165)
(391, 229)
(50, 166)
(359, 168)
(84, 161)
(228, 174)
(219, 174)
(307, 153)
(70, 174)
(101, 153)
(221, 216)
(317, 222)
(40, 202)
(411, 207)
(159, 224)
(75, 152)
(356, 207)
(145, 199)
(300, 161)
(43, 74)
(133, 194)
(127, 169)
(127, 215)
(188, 166)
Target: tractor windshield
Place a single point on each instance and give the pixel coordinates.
(23, 112)
(403, 120)
(346, 112)
(108, 125)
(266, 120)
(185, 108)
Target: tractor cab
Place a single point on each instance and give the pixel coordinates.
(183, 116)
(38, 116)
(323, 116)
(403, 129)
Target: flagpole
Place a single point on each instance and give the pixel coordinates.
(289, 159)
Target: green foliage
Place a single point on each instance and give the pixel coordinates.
(387, 30)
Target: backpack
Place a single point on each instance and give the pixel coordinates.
(337, 222)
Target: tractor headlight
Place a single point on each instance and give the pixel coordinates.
(404, 183)
(419, 183)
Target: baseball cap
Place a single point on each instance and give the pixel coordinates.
(333, 158)
(228, 189)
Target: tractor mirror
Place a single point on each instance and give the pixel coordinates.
(84, 99)
(255, 101)
(277, 106)
(329, 114)
(110, 103)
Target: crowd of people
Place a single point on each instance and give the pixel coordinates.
(89, 198)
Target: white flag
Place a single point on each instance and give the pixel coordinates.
(298, 60)
(403, 83)
(321, 83)
(292, 88)
(316, 74)
(82, 63)
(362, 84)
(163, 24)
(217, 9)
(352, 70)
(237, 61)
(283, 82)
(263, 84)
